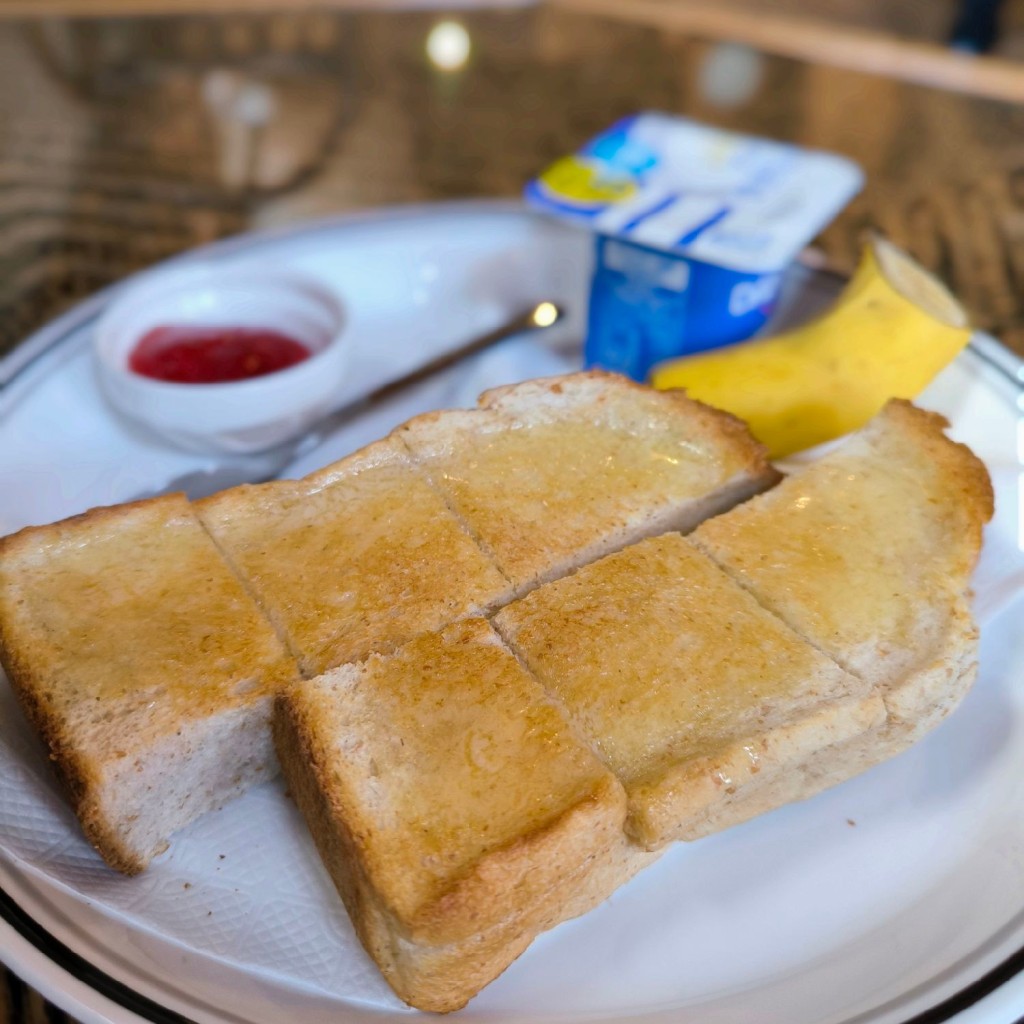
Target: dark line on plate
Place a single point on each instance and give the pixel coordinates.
(80, 968)
(47, 349)
(974, 993)
(143, 1006)
(1004, 371)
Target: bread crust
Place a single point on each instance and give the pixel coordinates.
(602, 387)
(902, 724)
(122, 633)
(968, 481)
(751, 776)
(512, 856)
(75, 772)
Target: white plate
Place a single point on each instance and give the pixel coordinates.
(897, 896)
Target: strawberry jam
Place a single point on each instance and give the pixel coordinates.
(194, 354)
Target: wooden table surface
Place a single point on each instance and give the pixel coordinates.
(126, 139)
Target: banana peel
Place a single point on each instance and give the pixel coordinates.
(890, 331)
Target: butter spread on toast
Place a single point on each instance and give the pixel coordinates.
(358, 557)
(549, 475)
(868, 554)
(691, 693)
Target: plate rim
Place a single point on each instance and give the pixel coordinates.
(54, 333)
(50, 338)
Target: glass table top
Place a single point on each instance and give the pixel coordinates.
(123, 140)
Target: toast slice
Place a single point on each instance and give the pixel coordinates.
(454, 808)
(143, 664)
(552, 474)
(358, 557)
(700, 701)
(868, 554)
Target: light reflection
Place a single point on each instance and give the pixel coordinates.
(1020, 511)
(545, 314)
(448, 46)
(1020, 476)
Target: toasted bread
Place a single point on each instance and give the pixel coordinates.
(467, 784)
(706, 692)
(456, 811)
(696, 698)
(552, 474)
(358, 557)
(144, 665)
(868, 553)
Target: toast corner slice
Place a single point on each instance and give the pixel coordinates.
(143, 665)
(872, 545)
(454, 809)
(872, 551)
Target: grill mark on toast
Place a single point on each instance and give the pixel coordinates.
(739, 579)
(485, 549)
(267, 613)
(569, 719)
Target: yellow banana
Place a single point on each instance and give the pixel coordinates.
(890, 331)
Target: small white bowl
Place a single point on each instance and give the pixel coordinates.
(238, 417)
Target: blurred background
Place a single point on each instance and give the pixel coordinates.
(134, 129)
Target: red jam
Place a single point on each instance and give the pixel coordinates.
(193, 354)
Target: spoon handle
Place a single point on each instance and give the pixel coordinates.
(538, 317)
(521, 323)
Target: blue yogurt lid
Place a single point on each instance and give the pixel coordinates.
(672, 184)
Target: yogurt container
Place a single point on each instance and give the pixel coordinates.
(694, 228)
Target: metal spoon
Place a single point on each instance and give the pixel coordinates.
(267, 465)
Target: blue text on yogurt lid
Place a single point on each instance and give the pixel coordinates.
(672, 184)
